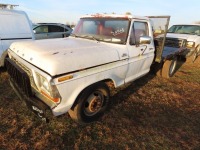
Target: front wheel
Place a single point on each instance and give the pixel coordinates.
(91, 104)
(196, 54)
(194, 57)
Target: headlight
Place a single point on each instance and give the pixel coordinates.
(43, 83)
(48, 89)
(190, 44)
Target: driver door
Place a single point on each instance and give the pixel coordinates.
(140, 55)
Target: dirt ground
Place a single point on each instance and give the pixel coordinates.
(150, 113)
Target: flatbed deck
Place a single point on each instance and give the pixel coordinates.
(170, 52)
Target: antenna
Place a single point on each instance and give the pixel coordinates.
(7, 6)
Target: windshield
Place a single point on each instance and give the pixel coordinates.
(103, 29)
(185, 29)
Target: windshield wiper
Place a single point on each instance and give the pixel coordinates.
(84, 36)
(90, 36)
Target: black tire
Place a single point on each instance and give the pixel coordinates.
(91, 104)
(196, 54)
(169, 68)
(194, 57)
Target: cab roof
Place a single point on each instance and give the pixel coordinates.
(114, 16)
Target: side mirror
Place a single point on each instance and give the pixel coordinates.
(145, 40)
(34, 31)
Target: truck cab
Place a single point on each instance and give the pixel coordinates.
(123, 34)
(73, 74)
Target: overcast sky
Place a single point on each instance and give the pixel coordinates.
(62, 11)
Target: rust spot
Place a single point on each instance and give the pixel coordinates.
(55, 53)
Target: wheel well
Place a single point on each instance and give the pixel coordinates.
(2, 60)
(108, 82)
(196, 48)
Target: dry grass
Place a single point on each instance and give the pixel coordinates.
(151, 113)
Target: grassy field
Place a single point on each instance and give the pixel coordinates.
(150, 113)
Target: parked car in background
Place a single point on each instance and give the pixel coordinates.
(51, 30)
(14, 26)
(34, 25)
(185, 35)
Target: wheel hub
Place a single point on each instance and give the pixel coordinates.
(94, 104)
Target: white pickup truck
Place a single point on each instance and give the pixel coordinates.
(187, 32)
(72, 74)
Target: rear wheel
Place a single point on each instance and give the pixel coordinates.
(91, 104)
(169, 68)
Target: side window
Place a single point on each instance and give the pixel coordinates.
(53, 28)
(138, 29)
(41, 29)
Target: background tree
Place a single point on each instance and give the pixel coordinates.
(128, 13)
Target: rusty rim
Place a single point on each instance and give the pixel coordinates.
(94, 103)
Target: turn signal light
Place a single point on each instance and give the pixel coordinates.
(61, 79)
(56, 100)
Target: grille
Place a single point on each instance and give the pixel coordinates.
(176, 43)
(27, 70)
(19, 76)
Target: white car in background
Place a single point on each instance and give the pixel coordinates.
(187, 35)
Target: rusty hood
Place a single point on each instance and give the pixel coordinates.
(58, 56)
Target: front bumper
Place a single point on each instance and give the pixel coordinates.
(20, 82)
(39, 108)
